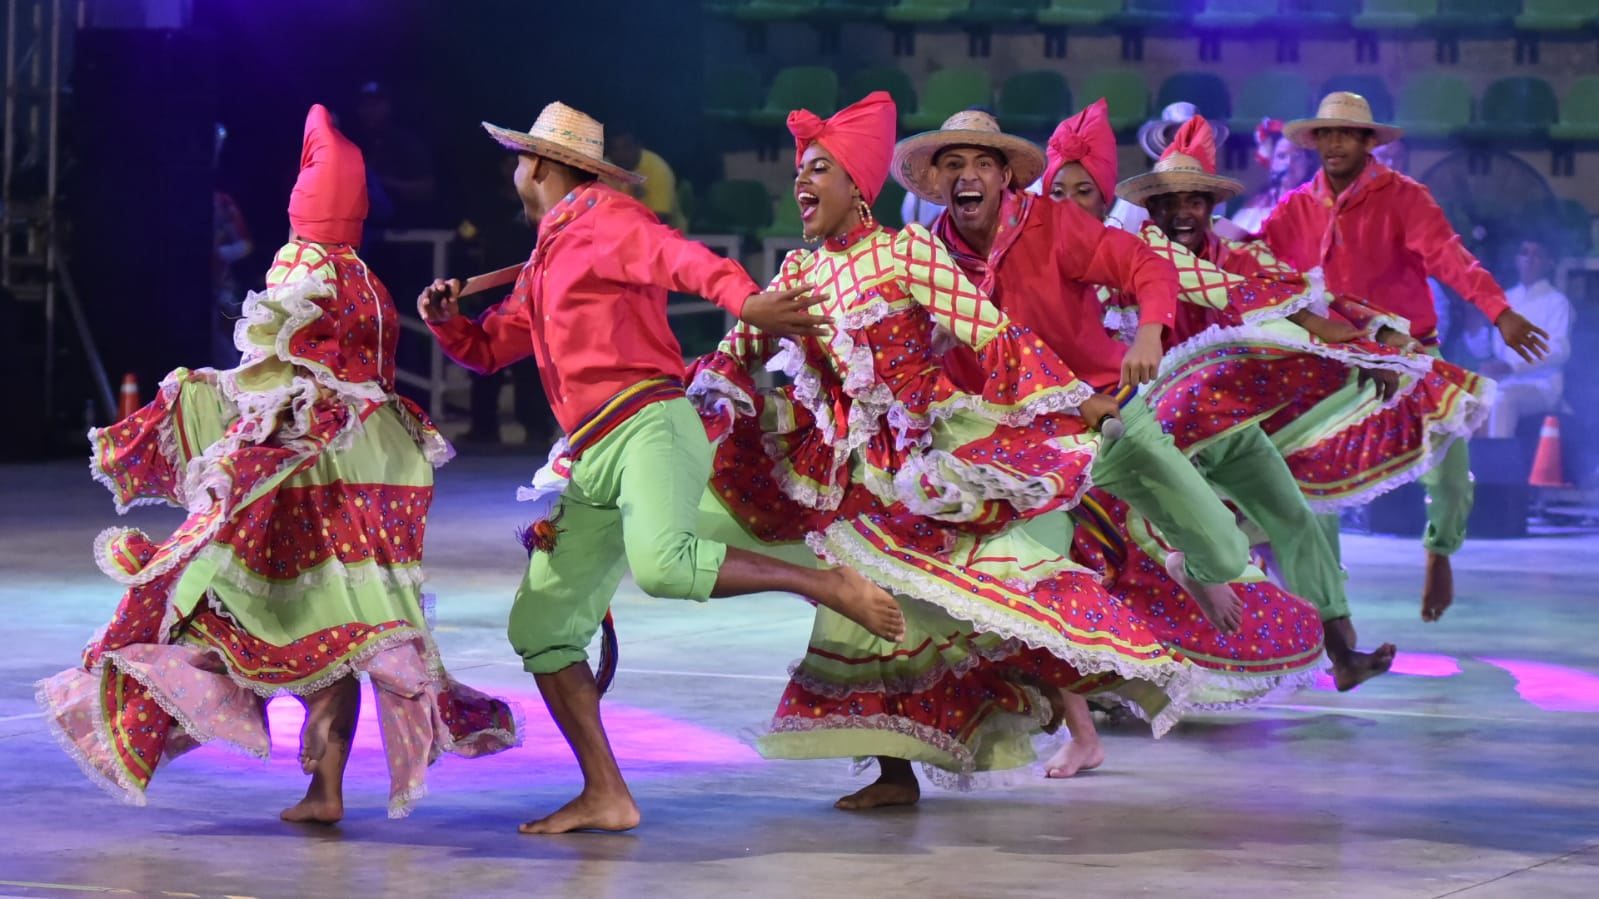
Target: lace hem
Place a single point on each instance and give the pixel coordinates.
(1175, 679)
(968, 486)
(121, 787)
(1439, 436)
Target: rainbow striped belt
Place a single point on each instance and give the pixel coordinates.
(617, 409)
(1124, 395)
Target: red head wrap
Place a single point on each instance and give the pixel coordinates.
(860, 136)
(1086, 138)
(328, 204)
(1195, 140)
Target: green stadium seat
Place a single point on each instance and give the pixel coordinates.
(998, 12)
(1125, 92)
(735, 207)
(1271, 95)
(786, 220)
(799, 87)
(1579, 115)
(881, 78)
(887, 208)
(1154, 13)
(1206, 91)
(775, 10)
(1394, 15)
(947, 92)
(924, 12)
(1306, 14)
(731, 93)
(1372, 87)
(1078, 13)
(1557, 15)
(1520, 108)
(1034, 101)
(1433, 105)
(1475, 15)
(849, 11)
(1234, 14)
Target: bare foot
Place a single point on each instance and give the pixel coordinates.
(895, 785)
(866, 604)
(1438, 592)
(589, 811)
(1219, 604)
(1075, 756)
(325, 739)
(1356, 668)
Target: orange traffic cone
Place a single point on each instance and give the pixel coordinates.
(130, 395)
(1546, 469)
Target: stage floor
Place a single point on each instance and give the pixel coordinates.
(1473, 772)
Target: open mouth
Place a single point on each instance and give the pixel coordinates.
(808, 204)
(967, 202)
(1184, 232)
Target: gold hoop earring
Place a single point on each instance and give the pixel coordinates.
(865, 211)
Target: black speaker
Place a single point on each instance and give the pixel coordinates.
(1500, 468)
(1401, 512)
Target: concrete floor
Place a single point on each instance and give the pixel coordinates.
(1472, 773)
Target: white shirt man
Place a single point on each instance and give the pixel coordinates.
(1526, 388)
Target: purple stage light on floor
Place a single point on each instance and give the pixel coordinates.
(1553, 688)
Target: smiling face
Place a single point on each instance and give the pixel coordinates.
(1073, 183)
(973, 180)
(828, 201)
(1344, 151)
(1184, 217)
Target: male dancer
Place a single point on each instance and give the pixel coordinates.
(1037, 261)
(1378, 235)
(590, 306)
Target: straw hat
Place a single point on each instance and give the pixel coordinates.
(1156, 135)
(913, 157)
(1177, 173)
(567, 136)
(1340, 109)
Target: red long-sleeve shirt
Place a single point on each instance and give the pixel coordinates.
(1042, 271)
(590, 304)
(1379, 241)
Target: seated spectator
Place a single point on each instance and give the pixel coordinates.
(659, 190)
(1526, 388)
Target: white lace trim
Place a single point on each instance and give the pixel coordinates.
(122, 787)
(840, 545)
(712, 391)
(1440, 434)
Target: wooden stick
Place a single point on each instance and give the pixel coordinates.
(491, 280)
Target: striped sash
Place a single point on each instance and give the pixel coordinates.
(618, 409)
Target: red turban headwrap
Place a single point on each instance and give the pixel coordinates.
(860, 136)
(1086, 138)
(1195, 140)
(328, 203)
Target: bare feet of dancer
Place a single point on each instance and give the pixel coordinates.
(1438, 592)
(866, 604)
(842, 589)
(605, 803)
(325, 739)
(895, 785)
(1350, 669)
(1218, 602)
(1084, 752)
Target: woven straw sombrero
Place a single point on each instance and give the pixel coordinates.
(1156, 135)
(913, 157)
(1340, 109)
(1177, 173)
(567, 136)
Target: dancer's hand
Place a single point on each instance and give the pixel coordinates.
(1325, 329)
(1399, 340)
(440, 301)
(1142, 361)
(1387, 381)
(1098, 408)
(786, 313)
(1527, 339)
